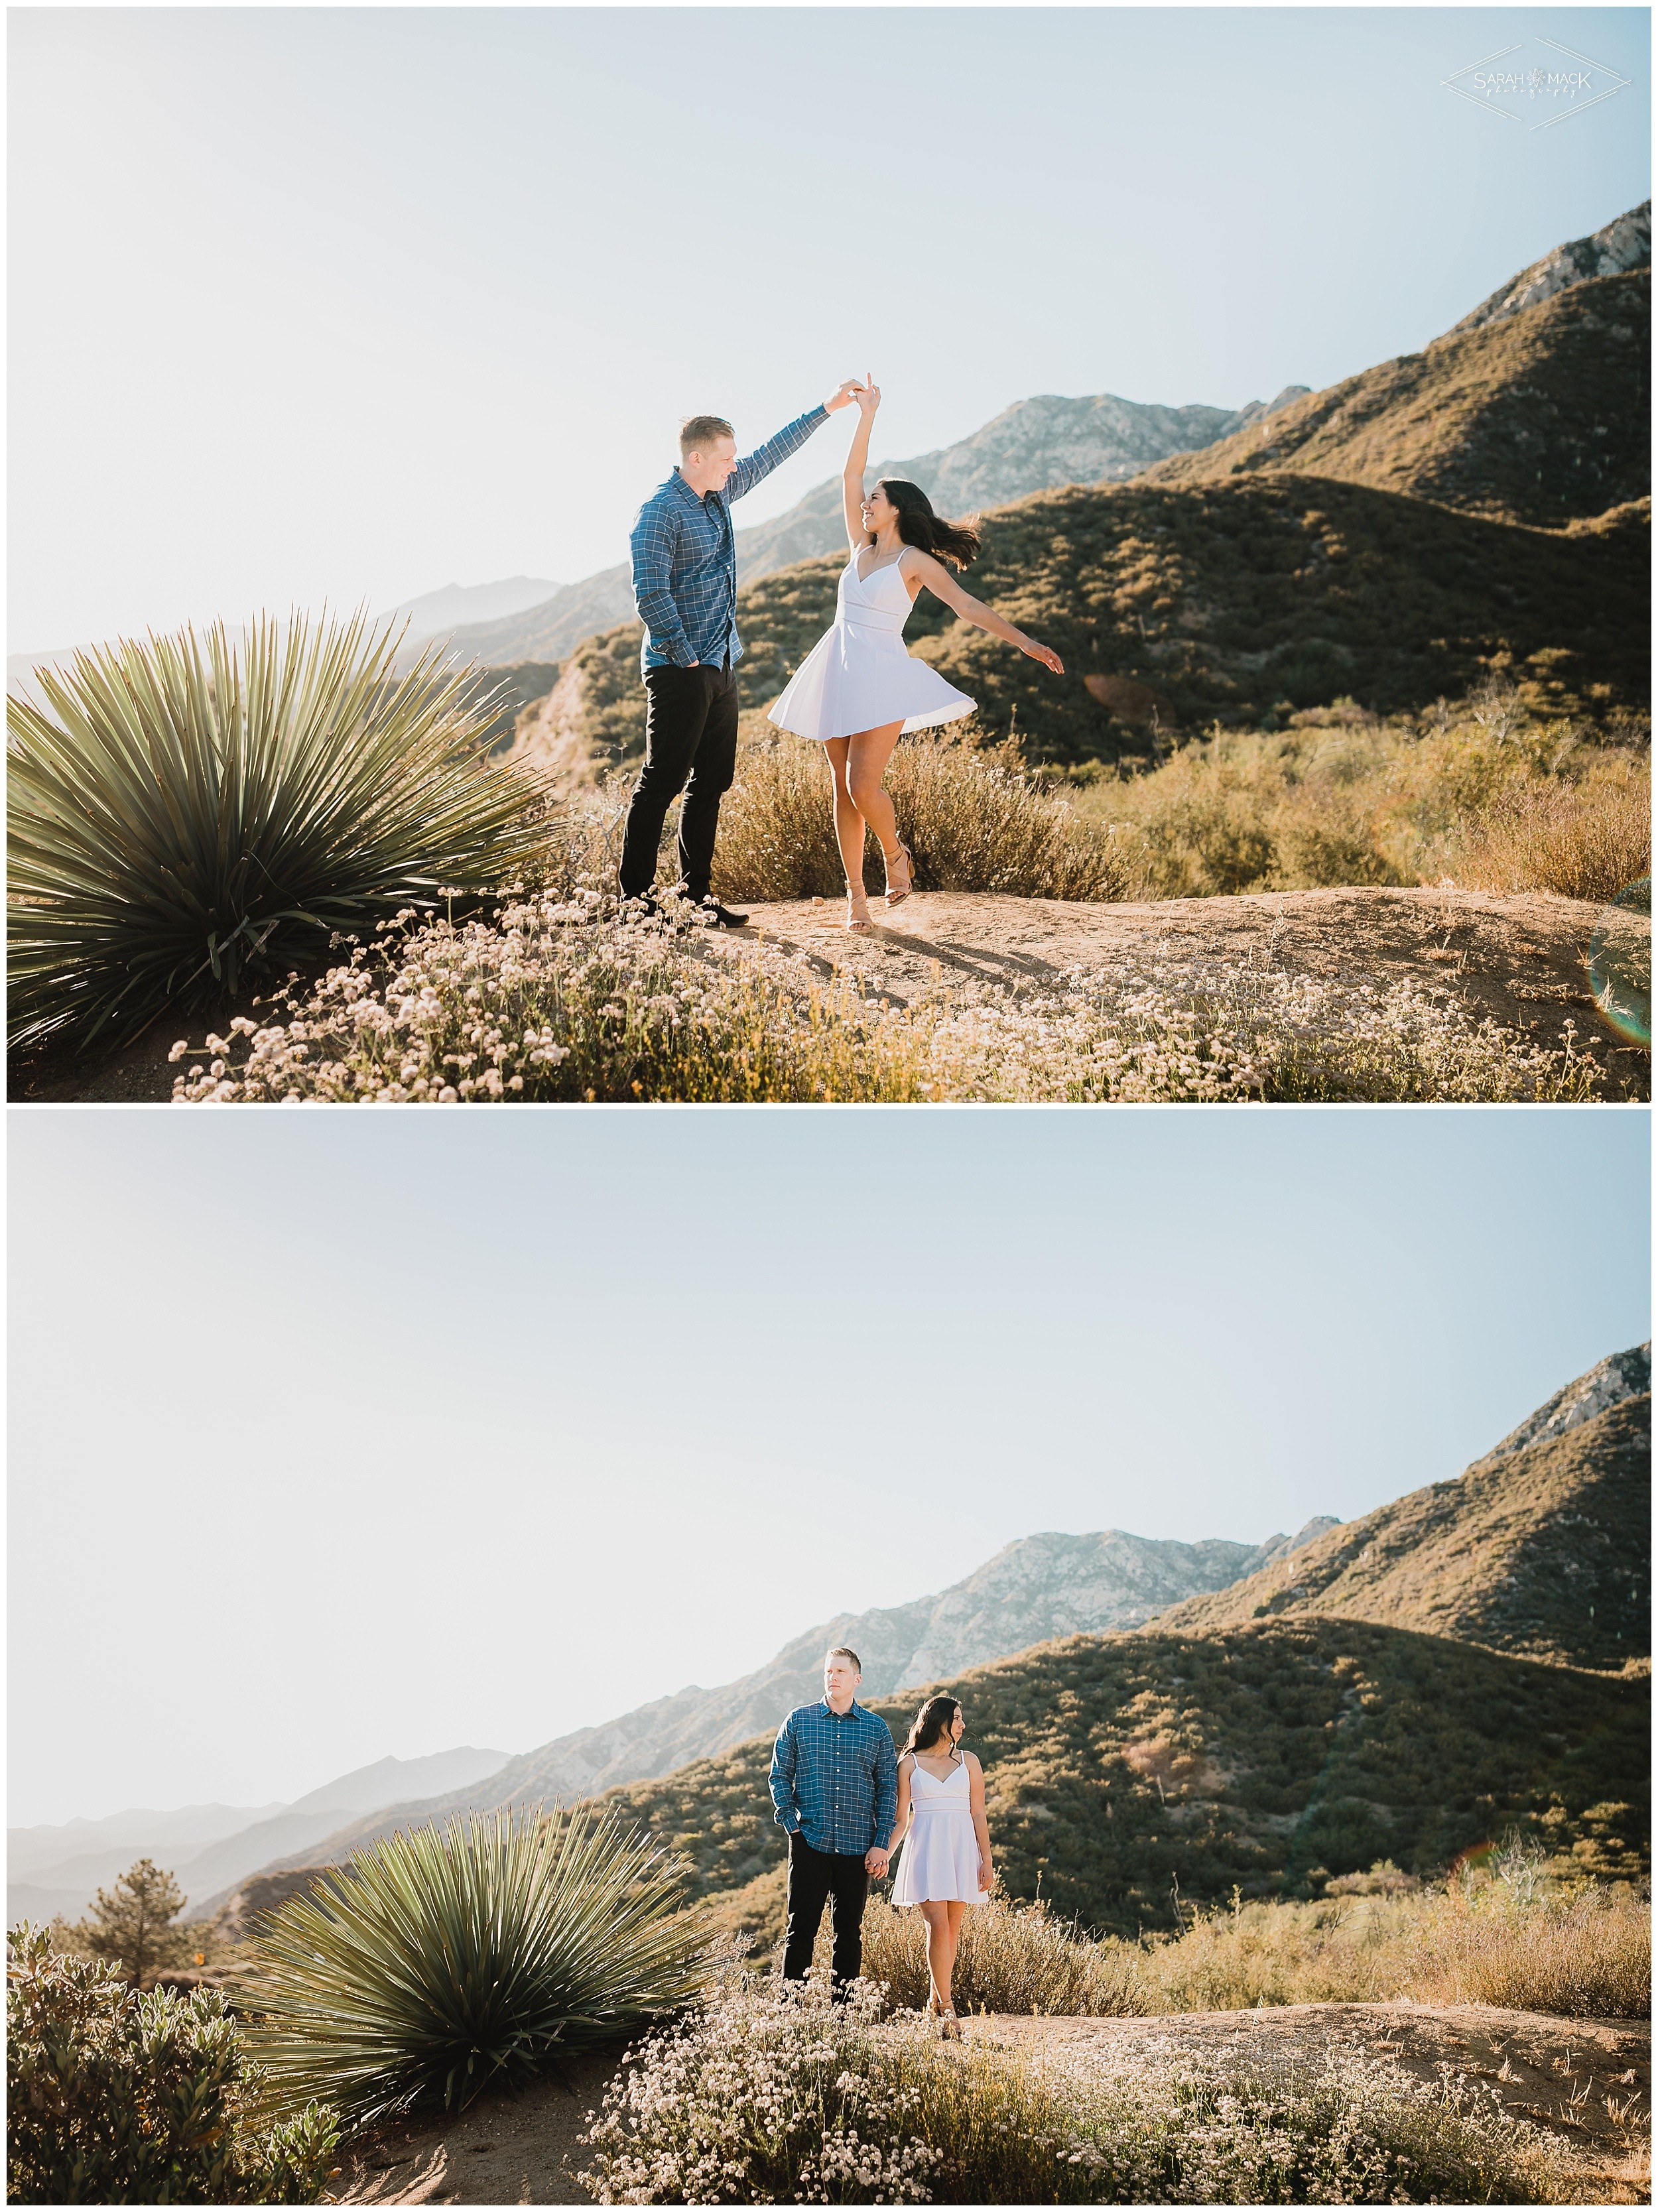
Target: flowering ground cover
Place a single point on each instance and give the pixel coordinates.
(761, 2096)
(561, 995)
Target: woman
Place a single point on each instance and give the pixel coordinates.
(946, 1863)
(858, 691)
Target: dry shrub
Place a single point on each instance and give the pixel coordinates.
(1014, 1958)
(1488, 793)
(1582, 1955)
(1589, 840)
(1588, 1957)
(973, 818)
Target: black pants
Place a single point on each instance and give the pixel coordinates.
(843, 1879)
(691, 745)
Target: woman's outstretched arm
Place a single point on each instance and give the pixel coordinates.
(981, 1828)
(867, 397)
(940, 581)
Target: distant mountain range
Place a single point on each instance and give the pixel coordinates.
(438, 611)
(56, 1868)
(1040, 1586)
(1343, 1704)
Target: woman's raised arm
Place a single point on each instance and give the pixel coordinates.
(943, 584)
(867, 397)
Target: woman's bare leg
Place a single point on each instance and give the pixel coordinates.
(868, 753)
(940, 1951)
(957, 1909)
(849, 822)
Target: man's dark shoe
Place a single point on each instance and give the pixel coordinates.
(716, 916)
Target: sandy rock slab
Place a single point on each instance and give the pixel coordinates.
(1521, 960)
(1588, 2081)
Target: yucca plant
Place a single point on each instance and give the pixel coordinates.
(439, 1961)
(194, 810)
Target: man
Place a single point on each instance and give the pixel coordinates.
(684, 586)
(834, 1782)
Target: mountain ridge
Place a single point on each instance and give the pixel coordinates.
(1035, 1588)
(1540, 1549)
(1033, 445)
(966, 474)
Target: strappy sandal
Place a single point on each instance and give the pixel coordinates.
(857, 910)
(949, 2027)
(895, 892)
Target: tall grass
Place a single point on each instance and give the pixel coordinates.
(441, 1962)
(975, 820)
(763, 2096)
(194, 811)
(1587, 1955)
(1488, 794)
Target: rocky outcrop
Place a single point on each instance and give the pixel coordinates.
(1625, 243)
(1624, 1375)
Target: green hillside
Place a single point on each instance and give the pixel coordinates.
(1221, 602)
(1540, 417)
(1545, 1553)
(1270, 1756)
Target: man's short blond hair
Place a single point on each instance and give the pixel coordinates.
(845, 1651)
(698, 432)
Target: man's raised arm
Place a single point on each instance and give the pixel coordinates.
(782, 1778)
(758, 466)
(653, 546)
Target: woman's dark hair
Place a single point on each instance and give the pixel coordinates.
(932, 1721)
(917, 526)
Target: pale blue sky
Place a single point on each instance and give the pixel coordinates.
(350, 303)
(337, 1435)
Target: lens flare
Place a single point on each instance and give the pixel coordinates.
(1620, 963)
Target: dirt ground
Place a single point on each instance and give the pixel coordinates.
(1520, 959)
(1587, 2080)
(1590, 2081)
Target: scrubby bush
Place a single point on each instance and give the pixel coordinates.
(568, 998)
(975, 820)
(442, 1961)
(765, 2096)
(191, 813)
(117, 2098)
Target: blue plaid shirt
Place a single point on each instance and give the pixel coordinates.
(684, 558)
(834, 1777)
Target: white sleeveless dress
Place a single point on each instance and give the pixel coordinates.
(858, 676)
(939, 1858)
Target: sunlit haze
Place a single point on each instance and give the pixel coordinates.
(346, 304)
(336, 1436)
